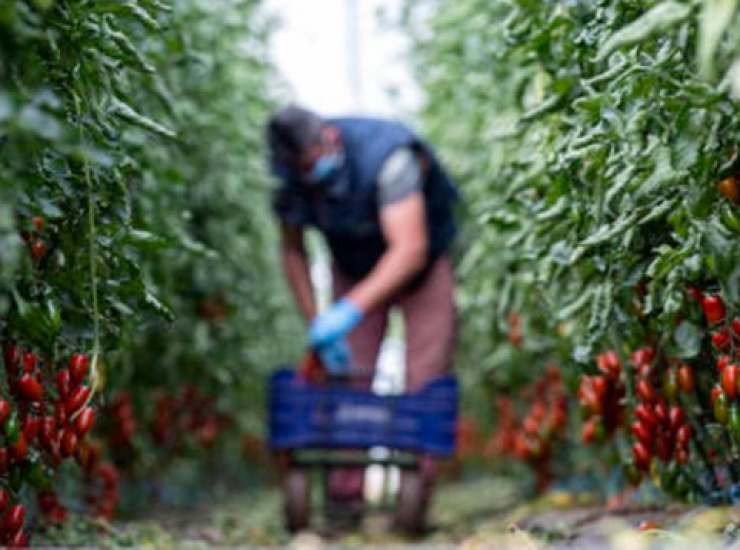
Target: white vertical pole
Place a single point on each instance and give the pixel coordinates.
(354, 54)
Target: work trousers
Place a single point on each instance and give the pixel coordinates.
(430, 319)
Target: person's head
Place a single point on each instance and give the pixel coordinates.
(303, 145)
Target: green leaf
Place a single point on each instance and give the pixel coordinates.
(145, 240)
(716, 15)
(157, 305)
(657, 19)
(687, 337)
(129, 114)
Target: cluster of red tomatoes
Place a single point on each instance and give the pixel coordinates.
(601, 397)
(37, 246)
(190, 412)
(12, 533)
(45, 421)
(725, 334)
(122, 426)
(725, 338)
(102, 490)
(516, 335)
(659, 429)
(531, 437)
(467, 438)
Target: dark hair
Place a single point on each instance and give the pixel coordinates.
(289, 131)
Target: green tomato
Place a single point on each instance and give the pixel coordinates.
(38, 476)
(670, 385)
(734, 422)
(12, 428)
(721, 412)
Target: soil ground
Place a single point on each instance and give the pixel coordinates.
(471, 515)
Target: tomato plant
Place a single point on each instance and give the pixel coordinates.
(596, 146)
(137, 249)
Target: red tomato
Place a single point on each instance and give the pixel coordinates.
(736, 326)
(663, 447)
(729, 189)
(722, 362)
(38, 250)
(530, 426)
(85, 421)
(30, 427)
(683, 436)
(609, 363)
(4, 411)
(13, 519)
(68, 443)
(12, 357)
(645, 414)
(77, 398)
(38, 223)
(109, 474)
(641, 455)
(695, 293)
(641, 433)
(207, 433)
(558, 418)
(48, 431)
(676, 417)
(4, 499)
(645, 391)
(642, 357)
(682, 456)
(47, 501)
(79, 365)
(661, 412)
(539, 411)
(4, 460)
(30, 388)
(58, 514)
(686, 379)
(29, 361)
(721, 339)
(600, 386)
(63, 383)
(715, 393)
(19, 451)
(714, 309)
(60, 413)
(729, 381)
(591, 401)
(590, 430)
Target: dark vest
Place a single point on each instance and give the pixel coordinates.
(348, 215)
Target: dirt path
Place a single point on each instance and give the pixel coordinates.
(477, 514)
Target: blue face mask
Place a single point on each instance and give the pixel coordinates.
(325, 168)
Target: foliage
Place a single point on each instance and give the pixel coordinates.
(134, 219)
(590, 137)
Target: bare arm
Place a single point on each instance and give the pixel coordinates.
(295, 267)
(404, 228)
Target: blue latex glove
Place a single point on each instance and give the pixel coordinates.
(334, 324)
(335, 356)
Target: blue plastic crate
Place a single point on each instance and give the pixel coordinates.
(305, 416)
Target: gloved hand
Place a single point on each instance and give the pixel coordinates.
(334, 324)
(335, 356)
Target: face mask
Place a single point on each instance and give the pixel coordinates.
(325, 168)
